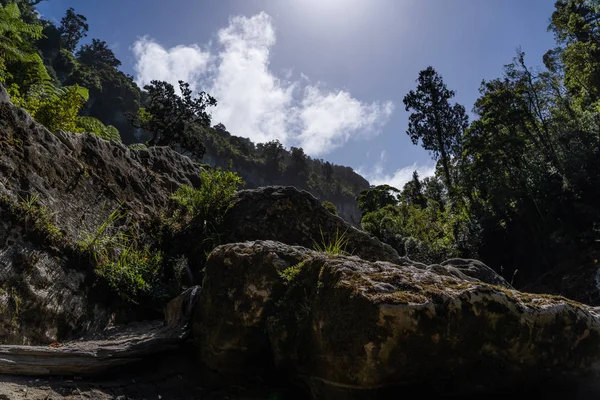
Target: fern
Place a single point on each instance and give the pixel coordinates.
(14, 34)
(95, 126)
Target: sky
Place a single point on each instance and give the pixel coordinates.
(326, 75)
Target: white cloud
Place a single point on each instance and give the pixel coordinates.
(330, 119)
(399, 178)
(154, 62)
(254, 102)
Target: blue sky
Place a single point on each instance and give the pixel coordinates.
(329, 75)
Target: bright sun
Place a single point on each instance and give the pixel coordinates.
(337, 14)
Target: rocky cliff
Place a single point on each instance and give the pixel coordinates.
(54, 190)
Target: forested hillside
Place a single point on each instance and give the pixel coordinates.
(519, 185)
(74, 86)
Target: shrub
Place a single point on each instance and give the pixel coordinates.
(93, 125)
(329, 206)
(209, 202)
(133, 273)
(138, 146)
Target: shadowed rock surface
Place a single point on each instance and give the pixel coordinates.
(53, 188)
(578, 278)
(350, 328)
(295, 217)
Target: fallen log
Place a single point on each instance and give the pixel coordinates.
(92, 357)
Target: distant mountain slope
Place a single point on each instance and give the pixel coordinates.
(267, 164)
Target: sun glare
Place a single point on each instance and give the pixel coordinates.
(337, 14)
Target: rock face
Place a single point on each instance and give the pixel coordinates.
(72, 182)
(577, 278)
(351, 328)
(295, 217)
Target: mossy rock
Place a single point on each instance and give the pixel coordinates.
(347, 326)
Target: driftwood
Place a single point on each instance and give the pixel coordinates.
(111, 348)
(92, 357)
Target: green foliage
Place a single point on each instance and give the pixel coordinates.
(73, 28)
(291, 273)
(412, 193)
(377, 197)
(329, 206)
(132, 270)
(36, 219)
(93, 125)
(98, 55)
(209, 202)
(133, 273)
(174, 120)
(15, 35)
(19, 62)
(433, 121)
(138, 146)
(104, 241)
(54, 108)
(334, 246)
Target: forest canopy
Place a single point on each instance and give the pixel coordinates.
(517, 186)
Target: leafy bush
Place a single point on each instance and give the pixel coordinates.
(54, 108)
(93, 125)
(329, 206)
(105, 241)
(208, 203)
(133, 273)
(138, 146)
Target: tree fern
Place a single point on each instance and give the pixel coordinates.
(16, 37)
(14, 34)
(95, 126)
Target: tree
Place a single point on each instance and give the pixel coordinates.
(576, 24)
(273, 154)
(174, 119)
(377, 197)
(298, 169)
(328, 171)
(97, 54)
(220, 127)
(412, 193)
(27, 9)
(73, 27)
(433, 121)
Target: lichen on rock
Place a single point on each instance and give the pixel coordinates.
(344, 324)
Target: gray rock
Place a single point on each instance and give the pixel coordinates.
(478, 270)
(296, 217)
(351, 328)
(4, 98)
(46, 291)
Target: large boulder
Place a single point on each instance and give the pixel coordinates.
(296, 217)
(351, 328)
(55, 187)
